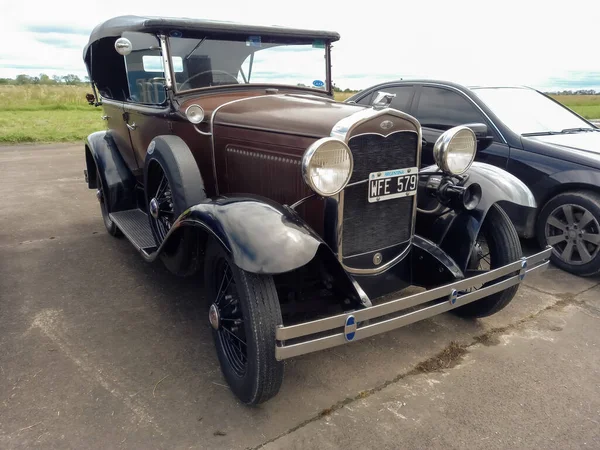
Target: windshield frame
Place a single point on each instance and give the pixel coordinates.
(328, 79)
(498, 114)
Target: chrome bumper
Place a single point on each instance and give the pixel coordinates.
(345, 329)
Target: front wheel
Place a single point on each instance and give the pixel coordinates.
(570, 223)
(244, 314)
(497, 245)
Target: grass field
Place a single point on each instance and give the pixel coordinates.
(61, 113)
(46, 114)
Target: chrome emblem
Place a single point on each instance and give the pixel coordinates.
(386, 124)
(377, 258)
(350, 328)
(453, 296)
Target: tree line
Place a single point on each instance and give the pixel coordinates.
(69, 79)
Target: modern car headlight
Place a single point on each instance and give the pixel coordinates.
(327, 166)
(454, 150)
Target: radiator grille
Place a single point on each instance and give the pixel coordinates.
(373, 226)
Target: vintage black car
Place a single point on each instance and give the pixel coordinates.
(301, 212)
(554, 151)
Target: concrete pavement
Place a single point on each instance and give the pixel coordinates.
(99, 349)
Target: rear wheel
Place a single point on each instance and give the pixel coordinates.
(111, 227)
(497, 245)
(172, 185)
(244, 314)
(570, 223)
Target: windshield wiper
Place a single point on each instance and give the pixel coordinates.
(576, 130)
(565, 131)
(541, 133)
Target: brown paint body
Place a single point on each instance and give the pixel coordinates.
(257, 143)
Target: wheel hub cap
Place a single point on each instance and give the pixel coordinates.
(154, 208)
(213, 316)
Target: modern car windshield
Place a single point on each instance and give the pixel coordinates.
(526, 111)
(255, 60)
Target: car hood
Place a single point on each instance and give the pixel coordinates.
(302, 115)
(583, 147)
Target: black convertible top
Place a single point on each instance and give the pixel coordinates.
(175, 26)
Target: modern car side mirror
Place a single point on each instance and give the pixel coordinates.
(480, 129)
(382, 99)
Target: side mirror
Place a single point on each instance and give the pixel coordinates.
(91, 99)
(382, 99)
(480, 130)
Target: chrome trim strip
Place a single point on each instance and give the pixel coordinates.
(212, 133)
(443, 293)
(166, 62)
(471, 100)
(342, 130)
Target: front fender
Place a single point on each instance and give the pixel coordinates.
(117, 180)
(456, 231)
(260, 235)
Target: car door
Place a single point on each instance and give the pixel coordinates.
(146, 110)
(113, 114)
(440, 108)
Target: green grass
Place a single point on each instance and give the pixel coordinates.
(587, 106)
(46, 114)
(48, 126)
(61, 113)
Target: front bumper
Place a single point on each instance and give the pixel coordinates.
(343, 328)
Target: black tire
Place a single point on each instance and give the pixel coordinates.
(570, 222)
(504, 247)
(257, 377)
(170, 161)
(111, 227)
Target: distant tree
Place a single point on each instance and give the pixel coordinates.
(22, 79)
(86, 79)
(71, 79)
(6, 81)
(57, 78)
(45, 79)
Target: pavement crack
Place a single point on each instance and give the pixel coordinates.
(447, 358)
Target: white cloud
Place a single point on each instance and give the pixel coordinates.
(474, 42)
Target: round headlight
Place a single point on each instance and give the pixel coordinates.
(194, 113)
(327, 166)
(454, 150)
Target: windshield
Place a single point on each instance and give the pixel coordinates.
(527, 111)
(205, 62)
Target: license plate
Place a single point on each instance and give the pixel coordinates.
(389, 184)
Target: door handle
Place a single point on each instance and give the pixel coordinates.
(132, 127)
(105, 117)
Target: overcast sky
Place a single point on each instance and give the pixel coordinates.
(473, 42)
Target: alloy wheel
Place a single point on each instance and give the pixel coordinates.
(574, 234)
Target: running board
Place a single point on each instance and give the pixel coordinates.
(135, 226)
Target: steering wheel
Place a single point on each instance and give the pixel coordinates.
(209, 71)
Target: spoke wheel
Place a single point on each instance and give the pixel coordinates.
(244, 314)
(497, 244)
(226, 318)
(160, 205)
(111, 227)
(574, 234)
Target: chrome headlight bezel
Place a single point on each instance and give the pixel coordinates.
(194, 113)
(308, 156)
(442, 149)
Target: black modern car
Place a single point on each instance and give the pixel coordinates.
(553, 150)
